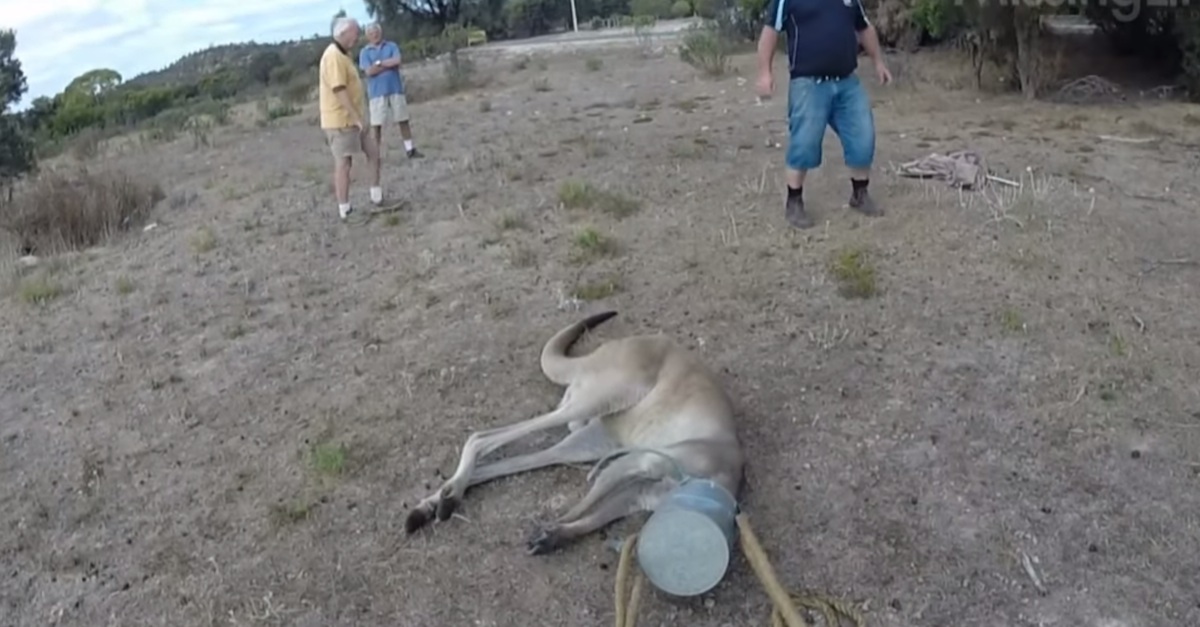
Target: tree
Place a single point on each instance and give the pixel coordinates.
(435, 13)
(262, 64)
(94, 83)
(16, 151)
(40, 112)
(12, 77)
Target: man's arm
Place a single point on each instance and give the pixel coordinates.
(868, 37)
(343, 97)
(768, 40)
(365, 64)
(393, 60)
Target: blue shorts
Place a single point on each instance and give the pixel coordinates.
(842, 104)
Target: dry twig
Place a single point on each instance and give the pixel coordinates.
(1128, 140)
(1029, 570)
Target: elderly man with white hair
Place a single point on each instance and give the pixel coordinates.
(341, 100)
(380, 59)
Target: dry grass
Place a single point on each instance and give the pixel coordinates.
(577, 194)
(596, 290)
(589, 245)
(168, 429)
(125, 285)
(60, 212)
(39, 288)
(203, 240)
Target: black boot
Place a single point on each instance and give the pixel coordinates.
(860, 199)
(794, 209)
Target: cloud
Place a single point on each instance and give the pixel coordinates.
(61, 40)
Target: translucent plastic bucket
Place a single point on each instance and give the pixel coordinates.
(685, 547)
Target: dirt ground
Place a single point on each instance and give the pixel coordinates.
(223, 420)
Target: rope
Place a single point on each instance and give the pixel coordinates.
(627, 610)
(783, 613)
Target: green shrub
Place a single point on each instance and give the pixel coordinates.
(937, 18)
(704, 48)
(650, 8)
(1187, 37)
(706, 9)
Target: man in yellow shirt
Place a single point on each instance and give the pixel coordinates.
(341, 99)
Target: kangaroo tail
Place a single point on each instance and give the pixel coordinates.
(556, 364)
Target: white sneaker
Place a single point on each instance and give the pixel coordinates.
(345, 210)
(377, 195)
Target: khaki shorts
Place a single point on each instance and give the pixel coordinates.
(345, 142)
(387, 109)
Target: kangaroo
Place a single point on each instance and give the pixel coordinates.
(643, 402)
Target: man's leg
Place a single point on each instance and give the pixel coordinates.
(808, 115)
(371, 150)
(341, 149)
(400, 109)
(377, 109)
(854, 124)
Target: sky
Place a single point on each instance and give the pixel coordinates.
(58, 40)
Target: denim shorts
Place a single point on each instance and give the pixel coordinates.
(843, 105)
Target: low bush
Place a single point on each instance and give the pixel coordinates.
(706, 49)
(57, 212)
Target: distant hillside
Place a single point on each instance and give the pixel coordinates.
(194, 66)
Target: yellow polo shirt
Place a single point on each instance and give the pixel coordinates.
(337, 70)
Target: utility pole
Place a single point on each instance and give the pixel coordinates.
(574, 17)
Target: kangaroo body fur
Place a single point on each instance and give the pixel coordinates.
(642, 400)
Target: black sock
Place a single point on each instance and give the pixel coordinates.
(794, 192)
(859, 184)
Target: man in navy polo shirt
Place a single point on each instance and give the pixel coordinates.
(822, 47)
(386, 102)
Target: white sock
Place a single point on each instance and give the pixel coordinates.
(376, 194)
(408, 144)
(343, 209)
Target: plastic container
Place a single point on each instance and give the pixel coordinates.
(685, 546)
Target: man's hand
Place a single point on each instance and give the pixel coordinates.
(881, 71)
(765, 84)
